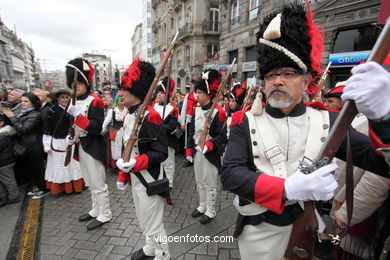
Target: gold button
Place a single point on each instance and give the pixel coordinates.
(253, 131)
(325, 126)
(323, 139)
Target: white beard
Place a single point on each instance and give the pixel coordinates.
(276, 101)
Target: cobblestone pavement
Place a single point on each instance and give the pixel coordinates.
(64, 237)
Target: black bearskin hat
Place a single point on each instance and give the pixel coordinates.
(161, 86)
(337, 91)
(138, 77)
(238, 93)
(84, 70)
(210, 81)
(289, 38)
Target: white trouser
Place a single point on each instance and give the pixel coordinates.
(264, 241)
(169, 165)
(150, 212)
(94, 176)
(206, 177)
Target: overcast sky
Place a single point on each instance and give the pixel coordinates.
(60, 30)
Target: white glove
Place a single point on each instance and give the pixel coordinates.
(200, 150)
(73, 110)
(369, 86)
(125, 166)
(121, 185)
(189, 158)
(69, 140)
(319, 185)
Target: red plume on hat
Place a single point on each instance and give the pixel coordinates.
(210, 81)
(131, 74)
(238, 92)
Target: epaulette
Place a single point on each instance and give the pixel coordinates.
(97, 102)
(221, 114)
(175, 110)
(238, 118)
(153, 116)
(319, 106)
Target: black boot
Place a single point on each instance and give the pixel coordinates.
(196, 213)
(85, 217)
(205, 219)
(94, 224)
(140, 255)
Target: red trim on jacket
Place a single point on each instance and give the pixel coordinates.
(189, 152)
(210, 145)
(175, 111)
(97, 101)
(141, 163)
(153, 116)
(82, 122)
(191, 103)
(237, 118)
(269, 192)
(221, 114)
(376, 143)
(320, 106)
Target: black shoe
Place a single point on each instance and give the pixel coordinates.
(94, 224)
(196, 214)
(140, 255)
(205, 219)
(187, 164)
(12, 201)
(85, 217)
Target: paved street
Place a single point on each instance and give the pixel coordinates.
(64, 237)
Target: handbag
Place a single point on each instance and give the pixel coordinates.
(157, 187)
(178, 133)
(18, 149)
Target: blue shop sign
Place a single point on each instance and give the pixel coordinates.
(348, 58)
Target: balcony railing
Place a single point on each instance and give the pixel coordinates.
(235, 23)
(185, 29)
(210, 26)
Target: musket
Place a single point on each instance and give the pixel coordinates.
(305, 228)
(147, 101)
(248, 95)
(71, 120)
(321, 83)
(203, 135)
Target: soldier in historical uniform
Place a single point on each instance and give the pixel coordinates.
(145, 165)
(171, 125)
(266, 145)
(207, 162)
(90, 147)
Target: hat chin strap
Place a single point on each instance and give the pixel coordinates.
(273, 32)
(82, 74)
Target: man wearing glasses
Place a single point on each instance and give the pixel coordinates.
(261, 163)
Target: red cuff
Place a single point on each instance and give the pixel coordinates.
(123, 177)
(269, 192)
(210, 145)
(142, 163)
(82, 122)
(376, 143)
(189, 152)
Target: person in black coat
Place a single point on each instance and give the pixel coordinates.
(9, 192)
(28, 125)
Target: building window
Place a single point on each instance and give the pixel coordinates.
(178, 58)
(358, 39)
(235, 18)
(149, 22)
(250, 53)
(149, 37)
(148, 9)
(188, 53)
(189, 14)
(212, 50)
(214, 19)
(253, 10)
